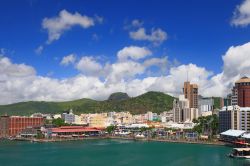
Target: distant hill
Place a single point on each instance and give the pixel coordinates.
(118, 96)
(150, 101)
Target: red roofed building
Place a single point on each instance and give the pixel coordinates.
(74, 131)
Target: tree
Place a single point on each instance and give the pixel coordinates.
(110, 129)
(59, 122)
(207, 125)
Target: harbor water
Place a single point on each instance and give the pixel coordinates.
(114, 153)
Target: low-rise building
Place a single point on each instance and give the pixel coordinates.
(12, 125)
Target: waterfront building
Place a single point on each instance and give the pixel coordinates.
(98, 120)
(190, 92)
(73, 131)
(234, 117)
(78, 120)
(228, 118)
(241, 92)
(231, 135)
(13, 125)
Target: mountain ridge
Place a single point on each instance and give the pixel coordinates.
(149, 101)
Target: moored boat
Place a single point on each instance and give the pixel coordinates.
(241, 153)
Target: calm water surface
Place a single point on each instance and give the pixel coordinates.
(114, 153)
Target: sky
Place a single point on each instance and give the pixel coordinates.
(55, 50)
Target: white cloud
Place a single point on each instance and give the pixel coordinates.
(122, 71)
(136, 23)
(69, 59)
(88, 65)
(157, 36)
(242, 14)
(8, 69)
(133, 52)
(56, 26)
(39, 50)
(162, 63)
(19, 82)
(237, 61)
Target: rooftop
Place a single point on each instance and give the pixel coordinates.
(243, 79)
(73, 129)
(233, 133)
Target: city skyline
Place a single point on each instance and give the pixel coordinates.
(63, 51)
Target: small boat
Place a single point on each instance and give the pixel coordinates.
(241, 153)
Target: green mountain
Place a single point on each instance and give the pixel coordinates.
(150, 101)
(118, 96)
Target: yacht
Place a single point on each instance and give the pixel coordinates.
(243, 153)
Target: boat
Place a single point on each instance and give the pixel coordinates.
(241, 153)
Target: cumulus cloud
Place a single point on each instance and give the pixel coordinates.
(89, 66)
(157, 36)
(56, 26)
(162, 63)
(241, 15)
(123, 70)
(133, 52)
(19, 82)
(7, 68)
(69, 59)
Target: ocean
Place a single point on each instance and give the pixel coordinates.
(114, 153)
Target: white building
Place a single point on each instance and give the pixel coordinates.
(182, 112)
(234, 117)
(68, 117)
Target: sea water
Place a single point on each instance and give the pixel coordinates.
(114, 153)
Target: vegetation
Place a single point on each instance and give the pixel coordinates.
(207, 125)
(59, 122)
(110, 129)
(150, 101)
(217, 104)
(118, 96)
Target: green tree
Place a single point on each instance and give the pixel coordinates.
(59, 122)
(110, 129)
(207, 125)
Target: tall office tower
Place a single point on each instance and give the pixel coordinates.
(241, 92)
(180, 109)
(191, 93)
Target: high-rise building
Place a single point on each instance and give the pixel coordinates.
(205, 104)
(190, 92)
(241, 92)
(234, 117)
(179, 108)
(182, 112)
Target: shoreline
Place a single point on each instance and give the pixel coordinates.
(217, 143)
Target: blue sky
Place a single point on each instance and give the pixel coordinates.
(198, 32)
